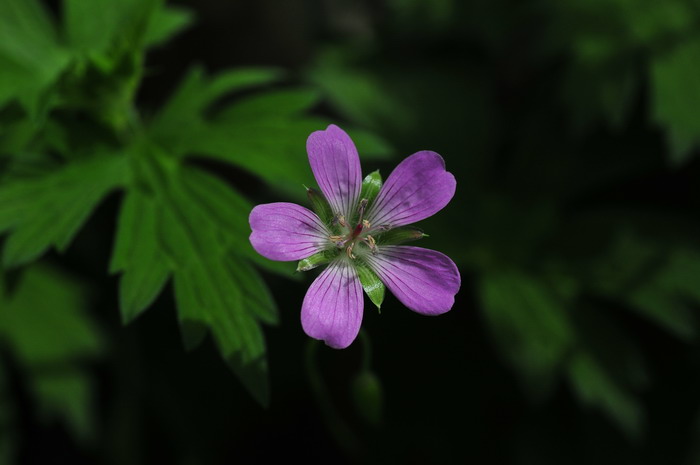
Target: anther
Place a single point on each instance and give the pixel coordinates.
(340, 219)
(371, 243)
(363, 205)
(349, 251)
(338, 240)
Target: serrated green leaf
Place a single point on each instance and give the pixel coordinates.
(58, 205)
(256, 296)
(138, 256)
(205, 297)
(220, 202)
(270, 147)
(373, 286)
(209, 291)
(371, 186)
(182, 116)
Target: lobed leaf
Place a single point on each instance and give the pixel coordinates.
(137, 256)
(54, 206)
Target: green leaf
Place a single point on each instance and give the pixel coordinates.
(676, 97)
(31, 58)
(595, 387)
(214, 287)
(56, 206)
(371, 186)
(44, 320)
(373, 286)
(184, 110)
(205, 298)
(256, 296)
(137, 255)
(356, 93)
(44, 325)
(665, 310)
(317, 259)
(166, 23)
(65, 394)
(530, 323)
(99, 27)
(287, 102)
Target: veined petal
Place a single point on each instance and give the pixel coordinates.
(333, 306)
(285, 231)
(336, 167)
(418, 188)
(423, 280)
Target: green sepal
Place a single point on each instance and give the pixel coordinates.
(373, 286)
(399, 235)
(317, 259)
(371, 186)
(319, 204)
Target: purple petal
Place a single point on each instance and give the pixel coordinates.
(424, 280)
(336, 166)
(418, 188)
(286, 231)
(333, 306)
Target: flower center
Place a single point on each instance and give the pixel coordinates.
(350, 237)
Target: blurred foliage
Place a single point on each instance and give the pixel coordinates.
(552, 261)
(45, 332)
(570, 126)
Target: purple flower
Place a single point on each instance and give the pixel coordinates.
(356, 229)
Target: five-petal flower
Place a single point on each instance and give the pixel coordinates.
(358, 237)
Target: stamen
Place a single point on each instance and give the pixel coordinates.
(366, 224)
(340, 219)
(363, 205)
(371, 243)
(338, 240)
(349, 251)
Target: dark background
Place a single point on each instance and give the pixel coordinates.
(571, 130)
